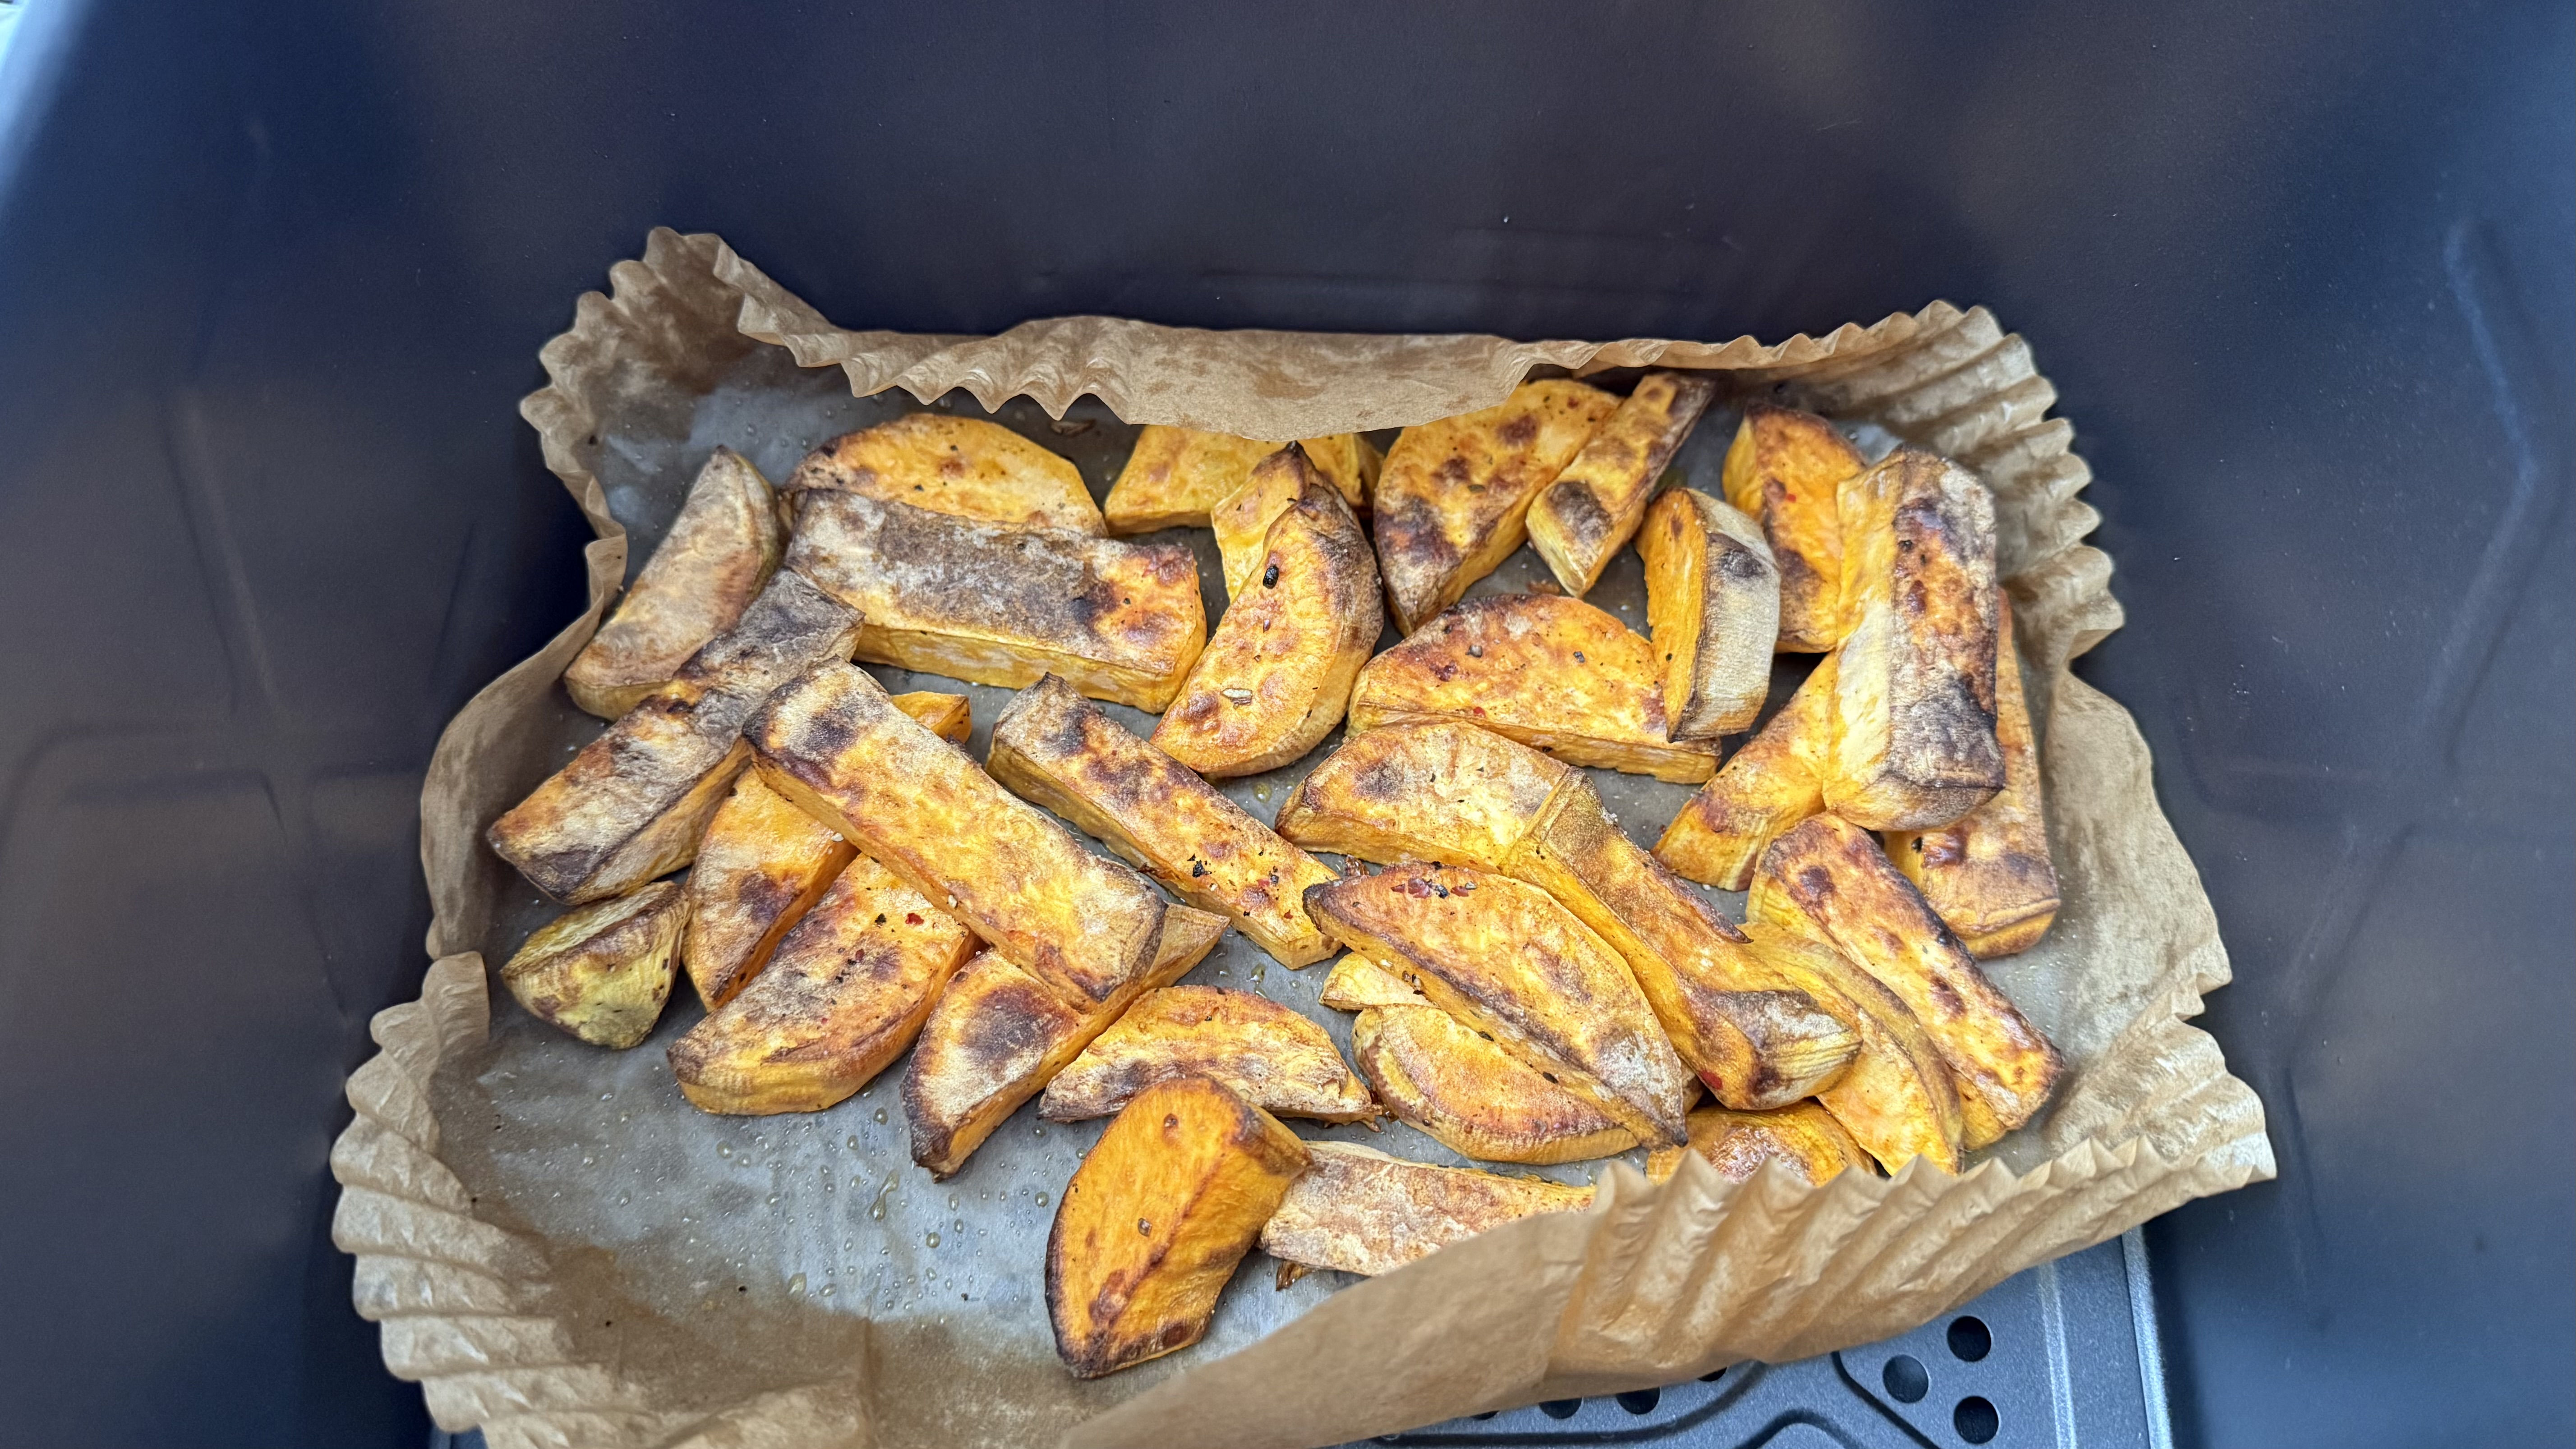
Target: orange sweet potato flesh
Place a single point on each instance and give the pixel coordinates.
(1783, 469)
(964, 467)
(1579, 521)
(1772, 783)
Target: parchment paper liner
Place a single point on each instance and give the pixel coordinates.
(1648, 1287)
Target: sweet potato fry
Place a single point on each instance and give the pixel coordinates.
(1898, 1098)
(1271, 1057)
(603, 971)
(1783, 470)
(1478, 1100)
(1713, 601)
(1358, 1210)
(1801, 1136)
(721, 548)
(964, 467)
(1772, 783)
(1593, 507)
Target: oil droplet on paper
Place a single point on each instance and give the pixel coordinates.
(932, 1241)
(724, 1149)
(796, 1286)
(1041, 1199)
(879, 1114)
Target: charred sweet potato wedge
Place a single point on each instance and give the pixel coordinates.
(1057, 749)
(1776, 780)
(1176, 476)
(1453, 500)
(1829, 877)
(1783, 470)
(1000, 605)
(836, 745)
(1277, 676)
(1594, 506)
(1272, 1057)
(602, 972)
(847, 992)
(722, 547)
(1988, 875)
(1357, 1210)
(963, 467)
(1802, 1136)
(1509, 961)
(999, 1034)
(1713, 601)
(632, 804)
(1357, 983)
(1474, 1098)
(1897, 1098)
(761, 866)
(1551, 672)
(1914, 683)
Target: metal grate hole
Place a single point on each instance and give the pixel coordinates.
(1905, 1378)
(1641, 1401)
(1561, 1408)
(1970, 1340)
(1976, 1419)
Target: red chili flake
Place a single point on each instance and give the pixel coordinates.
(912, 918)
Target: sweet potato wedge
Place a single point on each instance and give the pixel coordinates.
(1551, 672)
(836, 745)
(1713, 601)
(722, 547)
(1176, 476)
(1241, 519)
(1358, 983)
(1000, 605)
(603, 971)
(963, 467)
(998, 1035)
(949, 716)
(1914, 683)
(1057, 749)
(1509, 961)
(1154, 1221)
(1439, 790)
(1802, 1136)
(1783, 470)
(1351, 462)
(847, 992)
(632, 804)
(1277, 676)
(1357, 1210)
(1898, 1098)
(1774, 781)
(1453, 500)
(1272, 1057)
(1829, 877)
(1594, 506)
(1476, 1099)
(1988, 875)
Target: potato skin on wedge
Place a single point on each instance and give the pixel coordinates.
(1802, 1136)
(1554, 673)
(1509, 961)
(632, 804)
(1579, 521)
(722, 547)
(1914, 683)
(1277, 675)
(999, 1034)
(1783, 470)
(964, 467)
(1000, 605)
(847, 992)
(1057, 749)
(1898, 1098)
(1713, 601)
(1154, 1221)
(1829, 877)
(1474, 1098)
(602, 972)
(1453, 500)
(1269, 1055)
(1357, 1210)
(1988, 875)
(1774, 781)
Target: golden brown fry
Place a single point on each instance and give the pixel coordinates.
(1989, 876)
(998, 1035)
(1713, 601)
(1278, 674)
(1509, 961)
(1055, 748)
(1432, 790)
(1581, 519)
(847, 992)
(833, 743)
(1783, 469)
(1897, 1098)
(1271, 1057)
(1155, 1220)
(949, 716)
(1802, 1136)
(1453, 500)
(1914, 682)
(1551, 672)
(964, 467)
(1001, 605)
(631, 805)
(603, 971)
(761, 866)
(1830, 878)
(1358, 983)
(1358, 1210)
(722, 547)
(1772, 783)
(1478, 1100)
(1176, 476)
